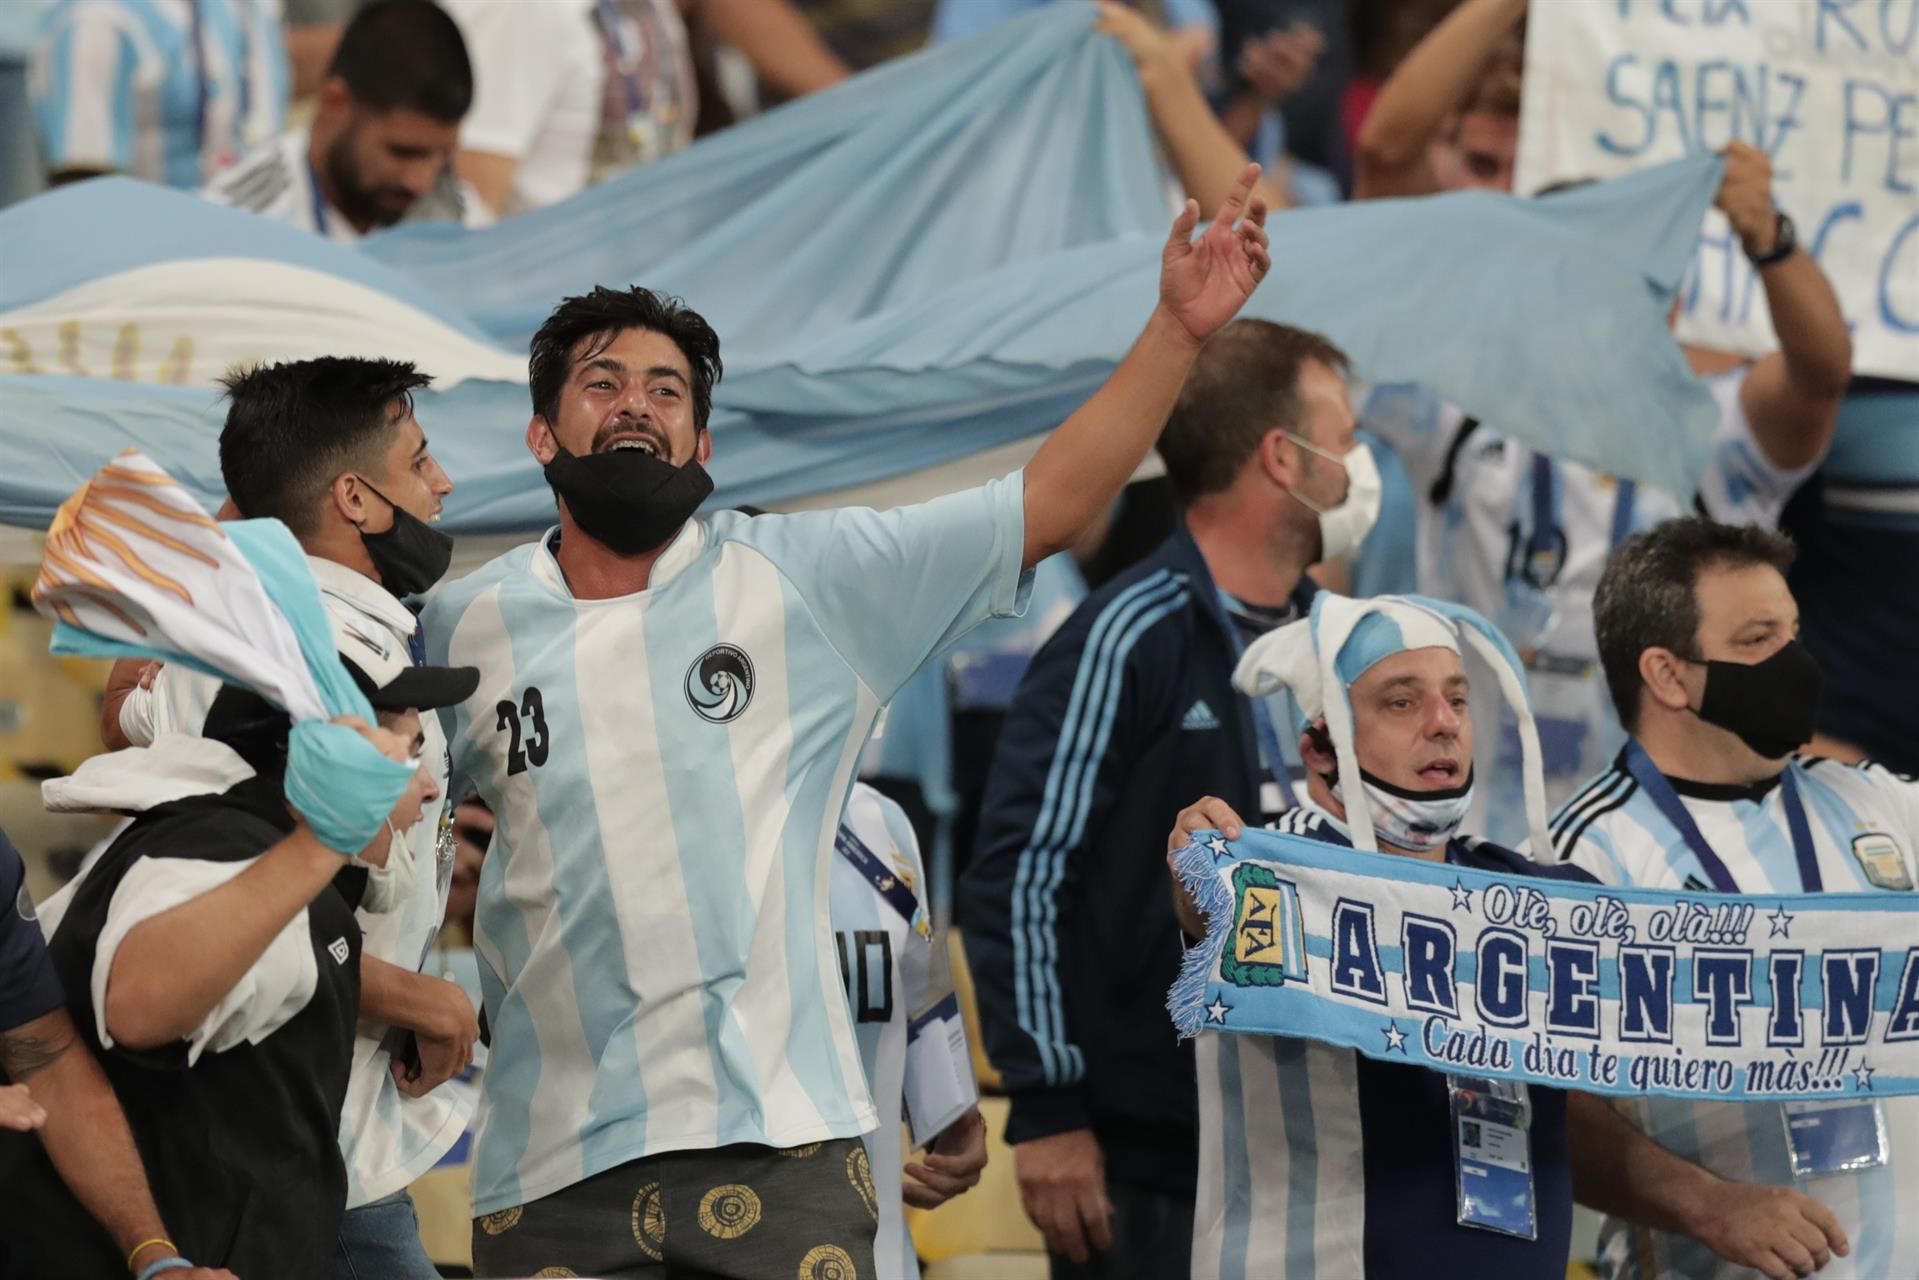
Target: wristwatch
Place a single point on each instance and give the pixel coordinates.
(1785, 238)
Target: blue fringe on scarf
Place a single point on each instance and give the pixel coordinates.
(1197, 869)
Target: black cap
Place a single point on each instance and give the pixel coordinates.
(416, 688)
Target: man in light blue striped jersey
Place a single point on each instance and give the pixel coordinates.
(1698, 635)
(172, 91)
(668, 720)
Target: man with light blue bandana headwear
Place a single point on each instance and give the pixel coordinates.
(1316, 1160)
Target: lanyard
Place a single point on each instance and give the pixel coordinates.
(1647, 775)
(1625, 500)
(877, 873)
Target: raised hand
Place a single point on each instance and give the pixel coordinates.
(1745, 197)
(1278, 64)
(1203, 283)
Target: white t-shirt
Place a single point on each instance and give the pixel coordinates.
(1479, 547)
(546, 79)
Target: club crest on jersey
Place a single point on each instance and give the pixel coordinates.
(1882, 860)
(719, 684)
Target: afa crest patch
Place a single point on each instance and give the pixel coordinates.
(1268, 946)
(1883, 861)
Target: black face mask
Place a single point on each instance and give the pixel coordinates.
(628, 499)
(1770, 705)
(411, 555)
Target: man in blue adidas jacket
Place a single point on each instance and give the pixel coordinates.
(1126, 713)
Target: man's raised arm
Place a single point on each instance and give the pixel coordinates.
(1202, 284)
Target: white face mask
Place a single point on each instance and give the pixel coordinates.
(1343, 527)
(389, 886)
(1416, 820)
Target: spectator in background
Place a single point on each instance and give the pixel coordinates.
(1205, 157)
(21, 173)
(1288, 59)
(1521, 537)
(172, 91)
(883, 935)
(569, 92)
(51, 1085)
(1856, 575)
(1448, 118)
(383, 134)
(1127, 708)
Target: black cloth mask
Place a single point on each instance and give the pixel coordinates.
(1770, 705)
(628, 499)
(411, 555)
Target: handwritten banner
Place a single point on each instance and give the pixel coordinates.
(1829, 89)
(1620, 991)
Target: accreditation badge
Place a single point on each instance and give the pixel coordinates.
(1842, 1136)
(1492, 1155)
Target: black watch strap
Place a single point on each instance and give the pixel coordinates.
(1785, 239)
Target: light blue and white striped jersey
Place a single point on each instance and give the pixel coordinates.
(1522, 538)
(1865, 825)
(884, 961)
(117, 85)
(667, 770)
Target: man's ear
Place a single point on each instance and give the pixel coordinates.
(1316, 758)
(1278, 458)
(347, 496)
(1662, 676)
(703, 451)
(539, 440)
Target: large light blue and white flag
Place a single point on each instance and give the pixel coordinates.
(135, 568)
(915, 274)
(1619, 991)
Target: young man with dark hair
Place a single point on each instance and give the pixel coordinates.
(383, 134)
(660, 980)
(331, 449)
(211, 959)
(1698, 637)
(1125, 715)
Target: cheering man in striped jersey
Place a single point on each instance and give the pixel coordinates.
(668, 720)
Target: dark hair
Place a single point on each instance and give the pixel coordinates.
(603, 315)
(1244, 384)
(1647, 597)
(292, 429)
(405, 53)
